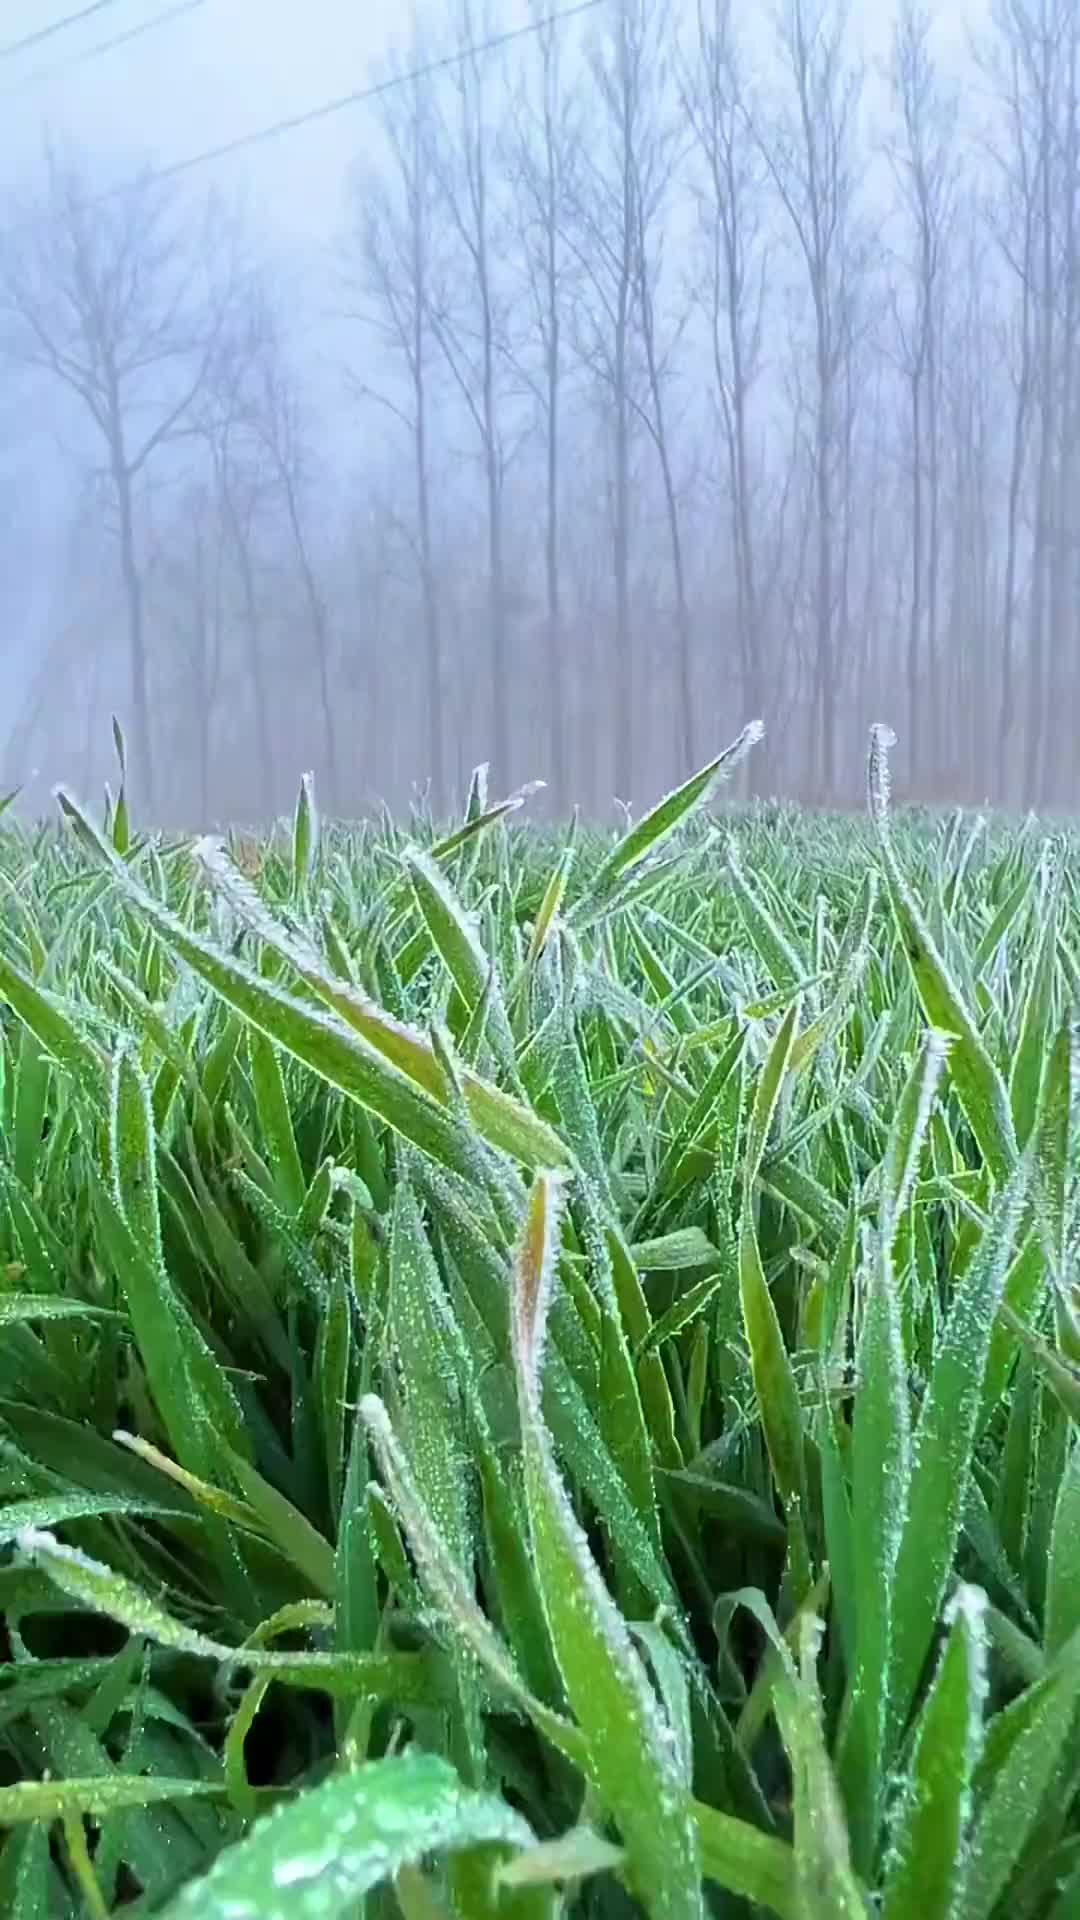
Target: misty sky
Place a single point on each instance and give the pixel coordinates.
(219, 70)
(229, 66)
(199, 80)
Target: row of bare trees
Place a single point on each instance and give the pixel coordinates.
(662, 373)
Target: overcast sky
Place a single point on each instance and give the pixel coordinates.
(214, 70)
(226, 67)
(199, 79)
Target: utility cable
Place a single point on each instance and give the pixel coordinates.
(102, 47)
(34, 39)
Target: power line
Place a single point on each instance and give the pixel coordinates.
(55, 26)
(259, 135)
(103, 46)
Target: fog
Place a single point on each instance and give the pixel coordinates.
(605, 377)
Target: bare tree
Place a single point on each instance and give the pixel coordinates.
(620, 165)
(390, 267)
(241, 486)
(274, 415)
(628, 356)
(731, 219)
(1037, 32)
(186, 579)
(119, 299)
(1032, 60)
(810, 148)
(1018, 358)
(542, 156)
(924, 169)
(1010, 216)
(971, 458)
(468, 315)
(1062, 683)
(655, 158)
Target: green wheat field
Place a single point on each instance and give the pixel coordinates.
(539, 1370)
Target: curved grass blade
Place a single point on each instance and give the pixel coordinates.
(943, 1442)
(1063, 1572)
(928, 1851)
(787, 968)
(52, 1799)
(881, 1469)
(774, 1381)
(429, 1390)
(550, 904)
(356, 1047)
(1053, 1146)
(275, 1122)
(56, 1028)
(49, 1510)
(17, 1307)
(979, 1084)
(630, 1749)
(825, 1885)
(320, 1854)
(444, 1581)
(1026, 1745)
(1029, 1056)
(458, 944)
(658, 825)
(404, 1678)
(194, 1395)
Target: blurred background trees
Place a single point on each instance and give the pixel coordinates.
(666, 371)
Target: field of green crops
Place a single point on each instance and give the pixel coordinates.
(539, 1372)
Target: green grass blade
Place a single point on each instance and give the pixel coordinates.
(630, 1755)
(1063, 1572)
(1029, 1057)
(298, 1540)
(275, 1122)
(17, 1307)
(1016, 1775)
(407, 1679)
(51, 1799)
(928, 1851)
(331, 1846)
(413, 1102)
(774, 1381)
(943, 1442)
(978, 1082)
(786, 967)
(657, 827)
(305, 848)
(881, 1476)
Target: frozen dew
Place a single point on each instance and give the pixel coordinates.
(882, 739)
(291, 1871)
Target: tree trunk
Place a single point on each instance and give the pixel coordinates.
(753, 665)
(500, 679)
(1034, 743)
(914, 704)
(263, 745)
(624, 661)
(687, 744)
(826, 690)
(320, 634)
(934, 707)
(1008, 611)
(133, 595)
(557, 707)
(429, 596)
(624, 665)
